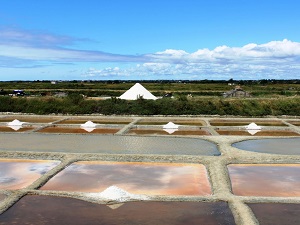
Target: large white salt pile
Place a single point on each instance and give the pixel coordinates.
(114, 193)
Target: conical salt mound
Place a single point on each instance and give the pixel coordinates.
(137, 91)
(116, 194)
(170, 125)
(253, 126)
(15, 123)
(89, 124)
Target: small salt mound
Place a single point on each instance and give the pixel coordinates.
(89, 124)
(170, 125)
(114, 193)
(15, 123)
(253, 126)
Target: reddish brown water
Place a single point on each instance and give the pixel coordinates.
(98, 121)
(245, 122)
(60, 211)
(176, 121)
(30, 119)
(259, 133)
(78, 130)
(9, 129)
(17, 174)
(276, 213)
(163, 132)
(278, 180)
(136, 178)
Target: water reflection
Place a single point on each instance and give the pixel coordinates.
(136, 178)
(109, 144)
(276, 213)
(284, 146)
(279, 180)
(15, 128)
(58, 210)
(258, 132)
(17, 174)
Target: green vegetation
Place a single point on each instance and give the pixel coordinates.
(268, 97)
(76, 104)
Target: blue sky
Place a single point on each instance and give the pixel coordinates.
(157, 39)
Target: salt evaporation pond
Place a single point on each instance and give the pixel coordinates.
(276, 180)
(276, 213)
(134, 177)
(61, 211)
(109, 144)
(284, 146)
(139, 131)
(258, 132)
(17, 174)
(15, 129)
(79, 130)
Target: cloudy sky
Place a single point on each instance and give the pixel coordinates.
(157, 39)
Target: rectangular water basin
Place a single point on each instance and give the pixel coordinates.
(228, 122)
(17, 173)
(60, 211)
(97, 121)
(15, 129)
(276, 213)
(257, 132)
(30, 119)
(276, 180)
(73, 130)
(142, 131)
(133, 177)
(186, 122)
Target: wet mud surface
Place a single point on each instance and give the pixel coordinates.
(258, 133)
(78, 130)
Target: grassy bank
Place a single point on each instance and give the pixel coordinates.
(76, 104)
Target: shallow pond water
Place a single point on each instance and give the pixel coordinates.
(15, 129)
(109, 144)
(245, 122)
(79, 130)
(278, 180)
(258, 132)
(60, 211)
(139, 131)
(17, 174)
(176, 121)
(276, 213)
(284, 146)
(133, 177)
(30, 119)
(97, 121)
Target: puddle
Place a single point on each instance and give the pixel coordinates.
(277, 180)
(59, 210)
(97, 121)
(78, 130)
(108, 144)
(258, 133)
(276, 213)
(139, 131)
(17, 174)
(135, 178)
(176, 121)
(245, 122)
(284, 146)
(15, 129)
(30, 119)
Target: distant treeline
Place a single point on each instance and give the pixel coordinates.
(76, 104)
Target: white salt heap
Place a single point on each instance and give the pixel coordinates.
(114, 193)
(253, 126)
(15, 123)
(89, 124)
(171, 125)
(88, 129)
